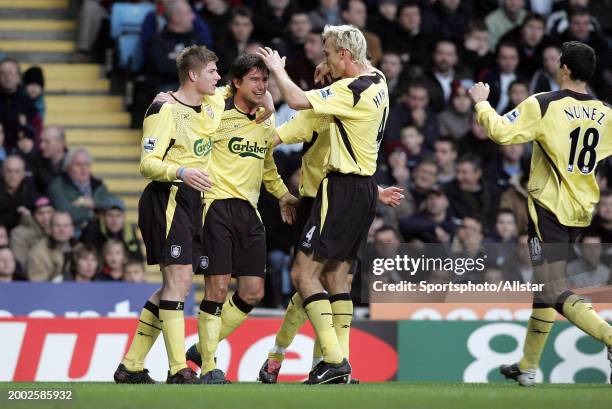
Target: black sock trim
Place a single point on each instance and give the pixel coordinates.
(340, 297)
(241, 304)
(561, 300)
(150, 325)
(211, 307)
(541, 320)
(154, 309)
(314, 297)
(540, 305)
(171, 305)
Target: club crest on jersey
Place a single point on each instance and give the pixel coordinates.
(204, 262)
(512, 116)
(149, 144)
(209, 111)
(175, 251)
(326, 93)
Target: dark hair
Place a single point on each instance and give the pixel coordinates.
(242, 12)
(406, 4)
(243, 65)
(507, 44)
(589, 232)
(578, 11)
(427, 160)
(471, 158)
(81, 250)
(533, 16)
(605, 193)
(447, 139)
(384, 228)
(505, 211)
(580, 59)
(518, 82)
(475, 25)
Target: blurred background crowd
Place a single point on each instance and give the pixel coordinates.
(60, 222)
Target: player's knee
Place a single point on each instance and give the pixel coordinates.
(252, 296)
(216, 290)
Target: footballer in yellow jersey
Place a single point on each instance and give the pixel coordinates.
(346, 200)
(175, 147)
(233, 235)
(571, 132)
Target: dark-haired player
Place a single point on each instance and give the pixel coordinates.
(571, 132)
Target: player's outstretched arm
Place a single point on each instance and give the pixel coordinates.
(391, 196)
(294, 95)
(517, 126)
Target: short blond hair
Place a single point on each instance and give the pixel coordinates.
(350, 38)
(193, 58)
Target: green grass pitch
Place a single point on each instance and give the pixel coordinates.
(295, 396)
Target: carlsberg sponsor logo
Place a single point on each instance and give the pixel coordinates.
(246, 148)
(202, 147)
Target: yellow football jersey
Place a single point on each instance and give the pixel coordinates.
(571, 133)
(241, 158)
(178, 135)
(359, 107)
(313, 130)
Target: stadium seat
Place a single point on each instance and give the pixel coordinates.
(126, 22)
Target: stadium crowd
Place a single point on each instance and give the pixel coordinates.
(461, 188)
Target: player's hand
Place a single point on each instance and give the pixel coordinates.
(479, 92)
(287, 205)
(164, 97)
(322, 74)
(22, 210)
(391, 196)
(272, 59)
(268, 105)
(197, 179)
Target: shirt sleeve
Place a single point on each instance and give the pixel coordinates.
(337, 99)
(271, 179)
(299, 128)
(520, 125)
(159, 130)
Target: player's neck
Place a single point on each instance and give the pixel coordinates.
(355, 70)
(242, 104)
(576, 86)
(189, 96)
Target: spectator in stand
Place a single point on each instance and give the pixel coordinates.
(424, 179)
(49, 259)
(518, 92)
(468, 239)
(93, 13)
(445, 154)
(588, 270)
(519, 266)
(410, 143)
(504, 236)
(502, 75)
(413, 108)
(503, 167)
(328, 12)
(112, 225)
(413, 41)
(478, 143)
(134, 272)
(531, 40)
(470, 195)
(391, 65)
(443, 73)
(383, 22)
(217, 15)
(235, 42)
(25, 148)
(16, 108)
(558, 21)
(50, 158)
(34, 83)
(114, 257)
(76, 191)
(162, 48)
(9, 268)
(271, 19)
(433, 223)
(455, 119)
(544, 79)
(602, 222)
(449, 18)
(33, 227)
(475, 53)
(515, 196)
(355, 12)
(302, 71)
(84, 264)
(292, 45)
(510, 14)
(580, 30)
(17, 194)
(4, 236)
